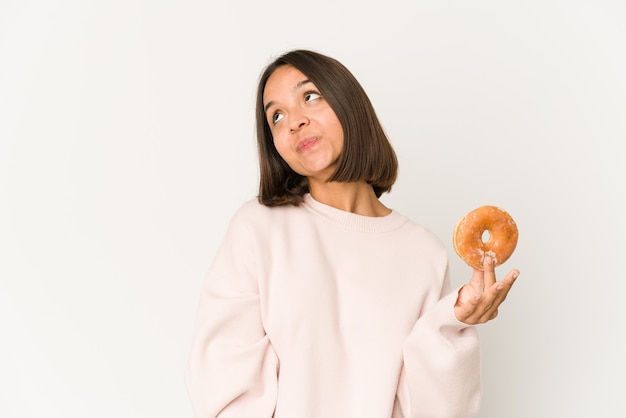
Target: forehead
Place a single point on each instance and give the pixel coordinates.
(284, 79)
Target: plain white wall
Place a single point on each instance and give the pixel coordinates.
(127, 141)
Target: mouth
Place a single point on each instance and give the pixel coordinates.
(306, 144)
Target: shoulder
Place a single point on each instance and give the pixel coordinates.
(249, 210)
(256, 217)
(424, 232)
(253, 212)
(424, 238)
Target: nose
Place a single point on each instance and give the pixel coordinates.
(298, 121)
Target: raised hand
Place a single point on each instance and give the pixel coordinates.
(479, 300)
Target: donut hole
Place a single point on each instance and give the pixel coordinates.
(486, 236)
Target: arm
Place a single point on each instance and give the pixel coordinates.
(441, 372)
(232, 369)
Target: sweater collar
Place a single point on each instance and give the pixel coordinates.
(353, 221)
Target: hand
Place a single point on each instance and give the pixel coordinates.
(478, 301)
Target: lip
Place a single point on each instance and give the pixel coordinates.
(307, 143)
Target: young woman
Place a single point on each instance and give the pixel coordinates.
(322, 302)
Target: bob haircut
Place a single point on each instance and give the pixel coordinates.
(367, 154)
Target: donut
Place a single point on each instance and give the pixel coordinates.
(487, 230)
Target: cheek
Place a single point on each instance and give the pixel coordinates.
(337, 130)
(281, 145)
(331, 121)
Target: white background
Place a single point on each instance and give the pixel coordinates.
(127, 141)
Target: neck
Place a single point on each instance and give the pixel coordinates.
(358, 198)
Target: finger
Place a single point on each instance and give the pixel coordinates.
(486, 309)
(511, 277)
(496, 294)
(476, 311)
(478, 280)
(506, 285)
(494, 315)
(490, 274)
(467, 311)
(483, 308)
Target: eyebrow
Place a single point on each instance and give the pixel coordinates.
(297, 86)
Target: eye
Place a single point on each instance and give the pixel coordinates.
(276, 117)
(311, 95)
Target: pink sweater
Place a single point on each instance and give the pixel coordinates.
(313, 312)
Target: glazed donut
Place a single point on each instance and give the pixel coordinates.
(487, 230)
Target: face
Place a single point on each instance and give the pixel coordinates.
(307, 133)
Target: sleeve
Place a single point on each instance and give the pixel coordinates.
(441, 372)
(232, 369)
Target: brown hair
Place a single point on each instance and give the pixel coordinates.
(367, 154)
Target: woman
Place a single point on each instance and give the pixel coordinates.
(321, 301)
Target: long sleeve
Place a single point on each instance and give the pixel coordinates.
(441, 372)
(232, 369)
(355, 311)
